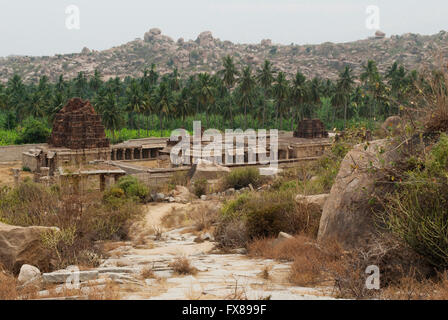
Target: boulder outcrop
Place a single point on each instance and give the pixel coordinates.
(23, 245)
(347, 216)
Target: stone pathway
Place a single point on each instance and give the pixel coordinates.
(220, 276)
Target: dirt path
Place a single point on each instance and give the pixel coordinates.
(219, 276)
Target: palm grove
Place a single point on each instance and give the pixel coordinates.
(233, 97)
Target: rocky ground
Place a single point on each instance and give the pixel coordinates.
(219, 275)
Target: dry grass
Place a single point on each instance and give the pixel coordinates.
(182, 266)
(148, 273)
(201, 216)
(8, 286)
(309, 259)
(238, 292)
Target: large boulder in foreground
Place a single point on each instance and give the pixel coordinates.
(347, 216)
(23, 245)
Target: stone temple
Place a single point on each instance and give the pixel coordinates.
(78, 137)
(77, 126)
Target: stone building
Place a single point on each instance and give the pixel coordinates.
(78, 137)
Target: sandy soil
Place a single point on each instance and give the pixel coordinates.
(6, 176)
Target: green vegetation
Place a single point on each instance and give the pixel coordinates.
(264, 214)
(154, 105)
(200, 187)
(82, 219)
(242, 178)
(417, 210)
(127, 187)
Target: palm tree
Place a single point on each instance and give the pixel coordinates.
(134, 98)
(265, 77)
(229, 77)
(299, 94)
(111, 113)
(371, 79)
(281, 95)
(95, 81)
(246, 86)
(183, 103)
(153, 75)
(163, 100)
(344, 88)
(15, 95)
(80, 84)
(206, 93)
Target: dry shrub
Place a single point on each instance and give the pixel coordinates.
(82, 220)
(110, 291)
(231, 234)
(203, 216)
(389, 254)
(8, 286)
(430, 104)
(148, 273)
(310, 260)
(238, 292)
(176, 218)
(182, 266)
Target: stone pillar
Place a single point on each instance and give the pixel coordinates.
(141, 153)
(115, 154)
(102, 182)
(132, 153)
(76, 179)
(16, 173)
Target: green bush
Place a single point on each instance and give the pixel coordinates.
(34, 131)
(265, 214)
(200, 187)
(132, 187)
(417, 210)
(242, 178)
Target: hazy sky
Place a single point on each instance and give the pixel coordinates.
(38, 27)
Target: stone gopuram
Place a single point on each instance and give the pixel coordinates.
(78, 137)
(311, 129)
(77, 126)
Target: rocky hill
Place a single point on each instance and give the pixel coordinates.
(206, 53)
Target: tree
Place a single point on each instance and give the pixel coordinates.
(229, 77)
(246, 87)
(95, 81)
(164, 101)
(134, 100)
(111, 113)
(343, 90)
(371, 79)
(299, 94)
(265, 77)
(34, 131)
(206, 93)
(281, 95)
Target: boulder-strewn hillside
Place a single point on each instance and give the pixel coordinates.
(206, 53)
